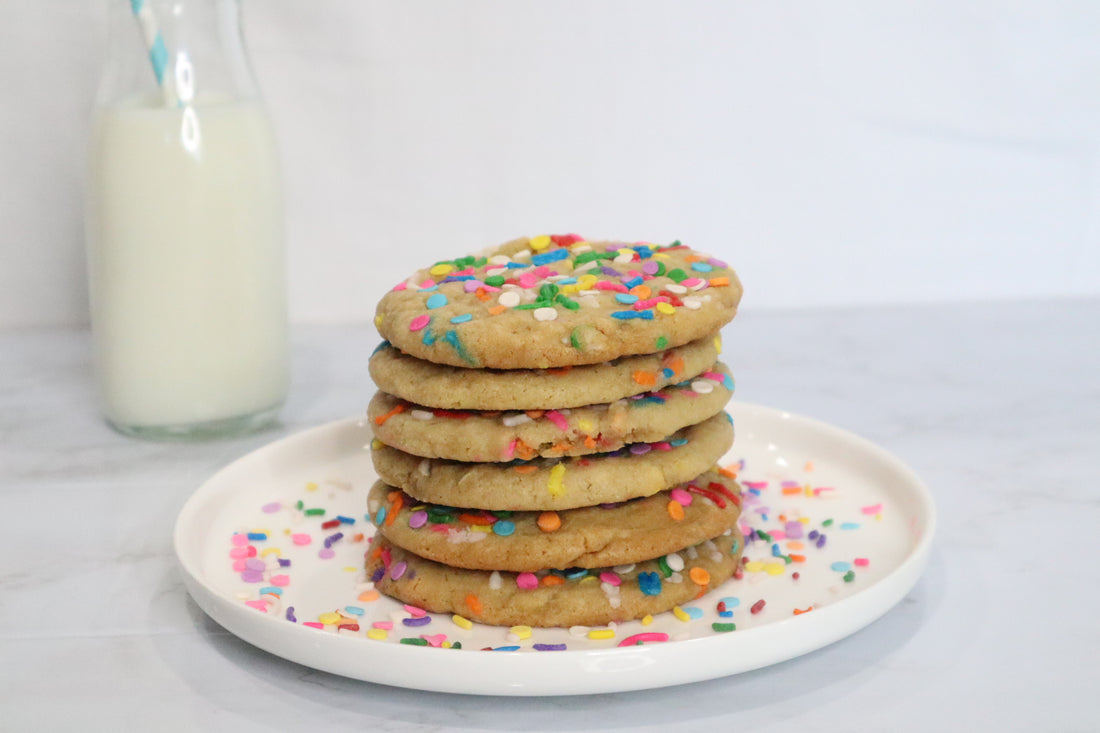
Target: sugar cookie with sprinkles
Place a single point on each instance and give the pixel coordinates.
(640, 469)
(501, 436)
(555, 598)
(590, 537)
(456, 388)
(556, 301)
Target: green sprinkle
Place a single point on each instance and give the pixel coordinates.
(827, 523)
(677, 275)
(589, 256)
(575, 339)
(495, 280)
(548, 291)
(660, 269)
(849, 576)
(414, 641)
(763, 535)
(662, 342)
(723, 627)
(529, 306)
(300, 505)
(315, 512)
(662, 564)
(456, 645)
(567, 302)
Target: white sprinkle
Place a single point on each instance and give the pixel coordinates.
(545, 314)
(702, 386)
(623, 569)
(624, 256)
(676, 288)
(509, 298)
(580, 248)
(425, 468)
(579, 630)
(523, 254)
(585, 267)
(495, 581)
(693, 303)
(700, 285)
(421, 414)
(513, 420)
(692, 552)
(677, 578)
(674, 561)
(499, 260)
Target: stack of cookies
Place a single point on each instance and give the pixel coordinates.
(547, 433)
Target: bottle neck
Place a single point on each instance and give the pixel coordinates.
(200, 55)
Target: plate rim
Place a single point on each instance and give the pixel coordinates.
(557, 673)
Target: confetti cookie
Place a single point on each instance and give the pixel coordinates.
(455, 388)
(555, 598)
(637, 470)
(505, 436)
(558, 301)
(590, 537)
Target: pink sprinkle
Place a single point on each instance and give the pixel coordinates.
(641, 305)
(681, 496)
(400, 286)
(301, 539)
(418, 519)
(271, 508)
(238, 565)
(647, 636)
(419, 322)
(610, 578)
(663, 445)
(257, 604)
(313, 624)
(239, 552)
(280, 580)
(510, 450)
(527, 581)
(240, 540)
(326, 553)
(415, 611)
(398, 570)
(719, 377)
(436, 640)
(429, 283)
(778, 534)
(608, 285)
(873, 509)
(384, 625)
(861, 562)
(820, 489)
(558, 419)
(788, 484)
(528, 280)
(756, 484)
(543, 271)
(471, 286)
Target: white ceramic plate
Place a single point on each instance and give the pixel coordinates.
(800, 476)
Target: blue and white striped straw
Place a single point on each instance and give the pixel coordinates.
(154, 42)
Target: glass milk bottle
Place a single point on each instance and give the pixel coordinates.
(184, 228)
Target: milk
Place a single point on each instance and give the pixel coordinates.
(186, 265)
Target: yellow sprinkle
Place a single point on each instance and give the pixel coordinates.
(718, 344)
(578, 245)
(601, 634)
(681, 614)
(587, 280)
(378, 634)
(542, 241)
(441, 269)
(665, 308)
(556, 486)
(590, 579)
(378, 320)
(311, 486)
(329, 618)
(564, 266)
(446, 645)
(647, 620)
(804, 520)
(571, 288)
(754, 566)
(878, 517)
(271, 551)
(586, 426)
(376, 444)
(480, 528)
(775, 568)
(660, 256)
(523, 632)
(462, 622)
(350, 569)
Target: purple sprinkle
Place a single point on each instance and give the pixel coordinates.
(820, 541)
(252, 576)
(640, 449)
(715, 262)
(549, 647)
(610, 272)
(255, 563)
(326, 553)
(418, 621)
(290, 615)
(333, 538)
(272, 507)
(398, 570)
(377, 575)
(813, 534)
(794, 530)
(650, 268)
(284, 563)
(418, 519)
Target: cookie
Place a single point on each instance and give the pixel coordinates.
(589, 537)
(456, 388)
(555, 598)
(640, 469)
(504, 436)
(558, 301)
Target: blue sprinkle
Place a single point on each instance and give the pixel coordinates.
(776, 552)
(456, 278)
(345, 520)
(846, 525)
(727, 382)
(257, 535)
(626, 298)
(841, 566)
(567, 281)
(726, 614)
(429, 337)
(503, 527)
(678, 442)
(650, 583)
(632, 282)
(463, 318)
(575, 573)
(646, 315)
(437, 300)
(380, 516)
(545, 258)
(731, 601)
(701, 267)
(380, 346)
(693, 612)
(667, 372)
(644, 252)
(354, 610)
(272, 589)
(515, 265)
(428, 289)
(506, 648)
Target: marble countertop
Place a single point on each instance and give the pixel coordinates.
(996, 407)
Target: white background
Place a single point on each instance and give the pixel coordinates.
(836, 153)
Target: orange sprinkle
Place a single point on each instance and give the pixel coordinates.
(391, 513)
(799, 612)
(376, 553)
(481, 295)
(794, 545)
(646, 379)
(474, 604)
(559, 371)
(676, 364)
(809, 466)
(358, 537)
(718, 281)
(535, 414)
(589, 442)
(369, 595)
(791, 490)
(525, 451)
(525, 469)
(383, 418)
(693, 258)
(642, 291)
(496, 310)
(549, 521)
(699, 576)
(798, 558)
(553, 580)
(478, 519)
(676, 510)
(728, 471)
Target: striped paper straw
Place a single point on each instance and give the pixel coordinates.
(154, 41)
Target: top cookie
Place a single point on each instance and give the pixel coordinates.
(558, 301)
